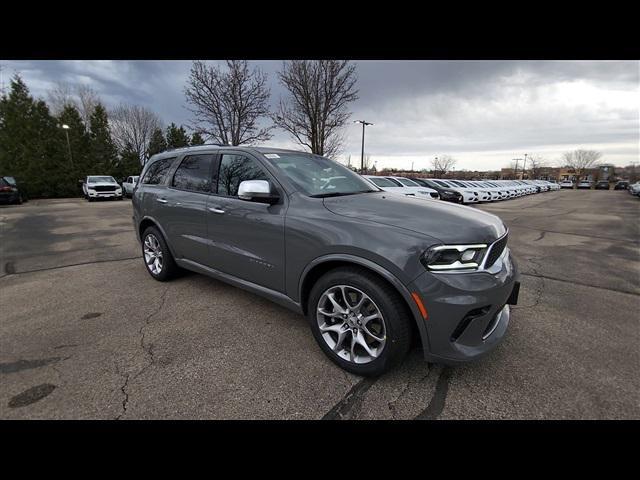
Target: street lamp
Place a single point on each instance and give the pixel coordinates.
(364, 124)
(66, 127)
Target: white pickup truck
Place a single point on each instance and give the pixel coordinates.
(101, 186)
(128, 185)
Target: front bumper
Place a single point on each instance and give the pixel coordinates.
(115, 194)
(468, 313)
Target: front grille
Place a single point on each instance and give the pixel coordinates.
(496, 250)
(104, 188)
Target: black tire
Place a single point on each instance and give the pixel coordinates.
(169, 267)
(397, 318)
(19, 200)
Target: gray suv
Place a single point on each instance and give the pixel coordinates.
(370, 270)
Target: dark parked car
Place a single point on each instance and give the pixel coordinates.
(621, 185)
(445, 193)
(11, 191)
(367, 268)
(602, 185)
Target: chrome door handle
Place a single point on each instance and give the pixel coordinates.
(161, 200)
(216, 210)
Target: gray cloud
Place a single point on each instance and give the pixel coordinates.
(482, 112)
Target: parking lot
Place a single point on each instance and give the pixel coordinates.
(86, 333)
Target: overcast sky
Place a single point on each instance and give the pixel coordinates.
(484, 113)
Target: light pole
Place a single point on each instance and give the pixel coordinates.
(364, 124)
(524, 166)
(66, 127)
(515, 174)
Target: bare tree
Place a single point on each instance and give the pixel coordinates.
(61, 96)
(536, 164)
(228, 105)
(88, 99)
(316, 110)
(581, 160)
(81, 97)
(367, 163)
(133, 126)
(442, 164)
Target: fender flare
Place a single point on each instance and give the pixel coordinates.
(384, 273)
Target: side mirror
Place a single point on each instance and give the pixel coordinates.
(80, 182)
(257, 191)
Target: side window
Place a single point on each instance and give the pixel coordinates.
(194, 173)
(157, 171)
(235, 169)
(128, 180)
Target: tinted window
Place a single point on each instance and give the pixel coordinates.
(194, 173)
(235, 169)
(383, 182)
(157, 171)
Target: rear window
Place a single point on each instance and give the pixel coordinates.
(406, 182)
(194, 173)
(157, 171)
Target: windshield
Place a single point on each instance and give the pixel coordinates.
(383, 182)
(101, 179)
(318, 176)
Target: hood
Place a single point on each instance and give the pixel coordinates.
(103, 184)
(446, 222)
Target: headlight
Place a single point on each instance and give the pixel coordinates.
(90, 188)
(449, 192)
(454, 257)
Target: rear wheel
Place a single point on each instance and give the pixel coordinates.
(157, 256)
(360, 322)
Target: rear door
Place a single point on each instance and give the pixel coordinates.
(184, 207)
(152, 196)
(246, 238)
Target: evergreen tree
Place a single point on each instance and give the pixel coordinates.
(77, 152)
(177, 136)
(103, 153)
(157, 143)
(196, 139)
(130, 161)
(31, 144)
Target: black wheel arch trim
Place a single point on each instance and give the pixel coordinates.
(384, 273)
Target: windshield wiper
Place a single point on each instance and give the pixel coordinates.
(340, 194)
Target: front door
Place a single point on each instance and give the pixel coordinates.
(246, 238)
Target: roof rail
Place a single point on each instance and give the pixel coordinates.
(194, 146)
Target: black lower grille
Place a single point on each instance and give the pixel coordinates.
(464, 323)
(496, 250)
(104, 188)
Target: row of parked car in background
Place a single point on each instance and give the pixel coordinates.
(461, 191)
(600, 185)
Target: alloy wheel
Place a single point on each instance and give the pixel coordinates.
(153, 254)
(351, 324)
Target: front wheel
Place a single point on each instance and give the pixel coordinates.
(360, 322)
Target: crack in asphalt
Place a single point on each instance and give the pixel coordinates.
(141, 332)
(347, 408)
(392, 403)
(13, 272)
(148, 350)
(539, 290)
(574, 282)
(610, 239)
(123, 389)
(439, 399)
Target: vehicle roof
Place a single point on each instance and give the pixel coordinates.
(214, 146)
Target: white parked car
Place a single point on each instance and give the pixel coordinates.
(128, 185)
(634, 189)
(101, 186)
(394, 186)
(566, 184)
(584, 184)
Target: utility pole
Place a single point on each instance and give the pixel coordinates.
(524, 166)
(364, 124)
(515, 174)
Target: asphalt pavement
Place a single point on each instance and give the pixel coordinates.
(85, 333)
